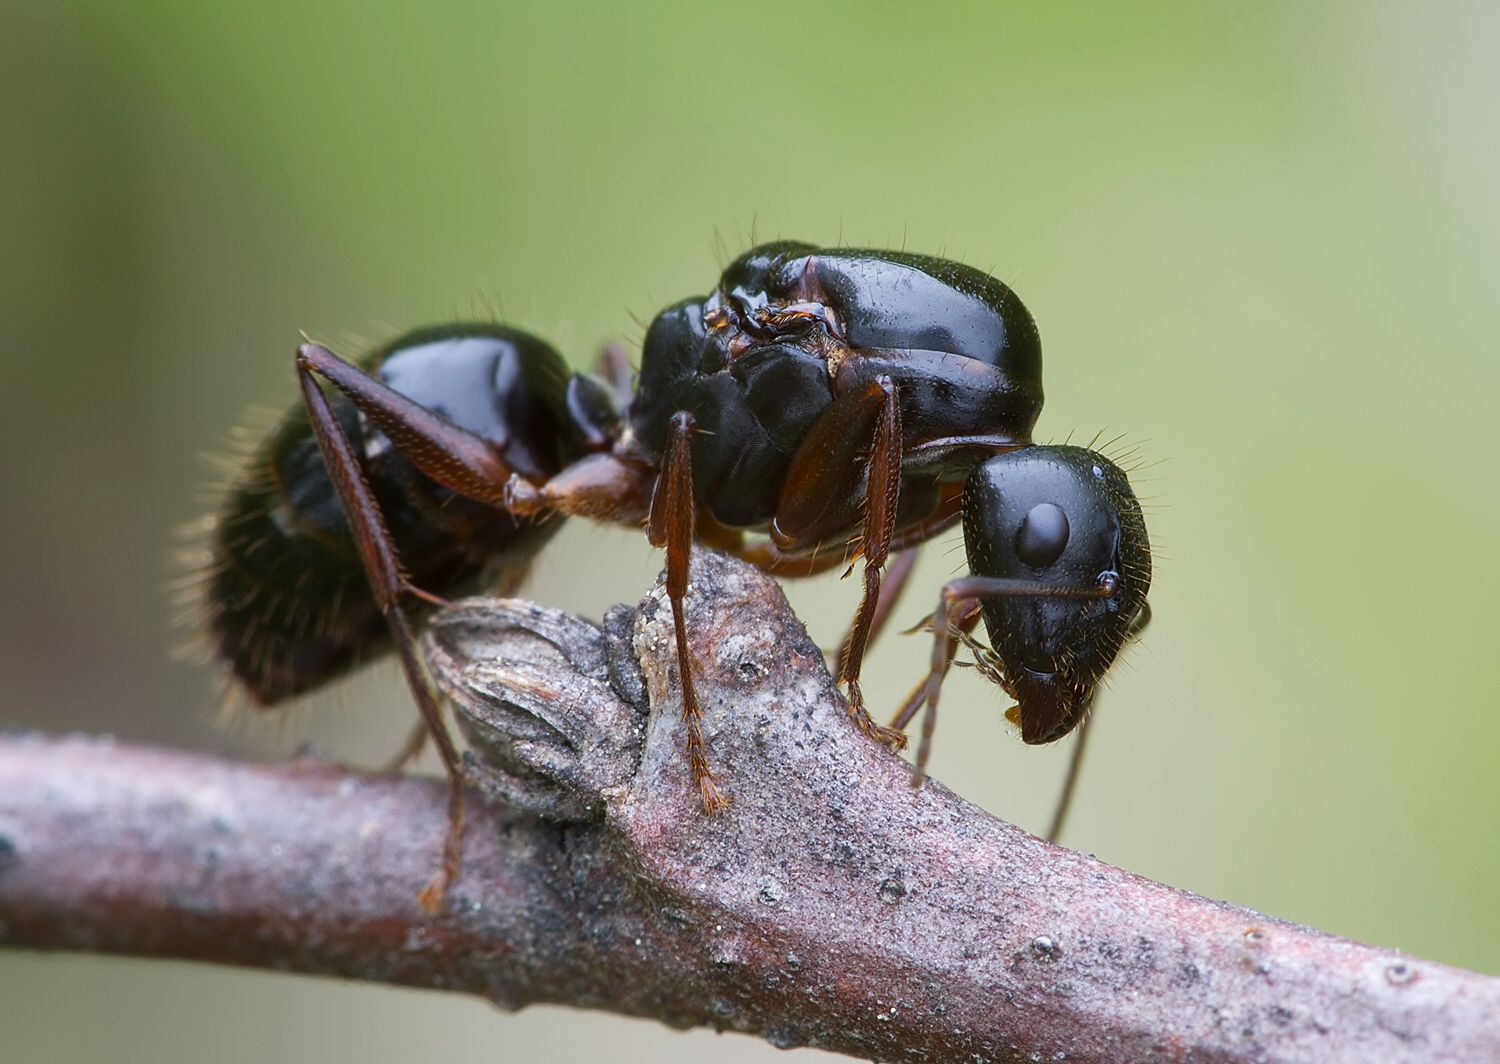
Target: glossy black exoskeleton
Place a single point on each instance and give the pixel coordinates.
(1065, 516)
(836, 402)
(790, 367)
(289, 604)
(793, 333)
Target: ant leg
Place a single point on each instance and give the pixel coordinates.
(670, 525)
(859, 436)
(892, 585)
(1070, 781)
(378, 554)
(602, 487)
(410, 750)
(955, 610)
(1075, 763)
(905, 543)
(458, 460)
(918, 696)
(882, 494)
(959, 603)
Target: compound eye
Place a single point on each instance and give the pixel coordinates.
(1043, 535)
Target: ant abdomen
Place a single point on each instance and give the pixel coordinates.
(289, 605)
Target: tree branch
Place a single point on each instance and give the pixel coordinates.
(831, 906)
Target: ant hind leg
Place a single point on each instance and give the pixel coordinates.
(387, 583)
(411, 749)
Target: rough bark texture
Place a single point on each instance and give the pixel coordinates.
(830, 906)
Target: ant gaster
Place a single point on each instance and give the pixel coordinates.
(867, 400)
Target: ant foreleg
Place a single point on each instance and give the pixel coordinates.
(958, 611)
(670, 525)
(960, 599)
(918, 696)
(387, 582)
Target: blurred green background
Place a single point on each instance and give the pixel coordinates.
(1260, 239)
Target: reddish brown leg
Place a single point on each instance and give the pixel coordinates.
(882, 495)
(949, 512)
(464, 463)
(411, 749)
(387, 583)
(892, 585)
(954, 610)
(959, 600)
(918, 697)
(1075, 763)
(965, 615)
(458, 460)
(602, 487)
(670, 525)
(1075, 768)
(905, 543)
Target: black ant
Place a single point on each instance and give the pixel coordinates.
(869, 399)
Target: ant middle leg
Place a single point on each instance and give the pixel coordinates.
(882, 496)
(904, 546)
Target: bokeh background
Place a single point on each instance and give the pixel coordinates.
(1261, 240)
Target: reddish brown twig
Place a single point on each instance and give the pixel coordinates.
(828, 906)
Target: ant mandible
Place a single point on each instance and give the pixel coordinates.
(869, 399)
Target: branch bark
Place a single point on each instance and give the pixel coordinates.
(831, 906)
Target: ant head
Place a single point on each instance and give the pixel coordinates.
(1062, 525)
